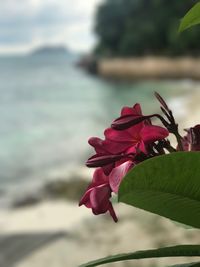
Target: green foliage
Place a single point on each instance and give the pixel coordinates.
(176, 251)
(139, 27)
(167, 185)
(191, 18)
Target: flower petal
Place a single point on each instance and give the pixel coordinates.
(142, 147)
(102, 160)
(117, 147)
(117, 136)
(99, 177)
(127, 121)
(97, 143)
(108, 168)
(118, 174)
(151, 133)
(135, 110)
(99, 198)
(85, 200)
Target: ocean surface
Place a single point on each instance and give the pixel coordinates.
(49, 108)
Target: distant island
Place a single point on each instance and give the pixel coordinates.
(51, 50)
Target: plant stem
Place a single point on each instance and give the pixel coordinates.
(178, 138)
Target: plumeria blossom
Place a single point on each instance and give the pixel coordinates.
(122, 145)
(98, 194)
(107, 154)
(131, 139)
(136, 137)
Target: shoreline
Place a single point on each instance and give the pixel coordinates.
(56, 183)
(147, 67)
(69, 183)
(66, 184)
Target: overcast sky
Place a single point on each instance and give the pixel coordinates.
(28, 23)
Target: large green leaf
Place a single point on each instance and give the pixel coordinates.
(176, 251)
(167, 185)
(191, 18)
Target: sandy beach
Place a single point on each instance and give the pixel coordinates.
(82, 236)
(85, 237)
(149, 67)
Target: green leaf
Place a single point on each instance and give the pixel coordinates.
(167, 185)
(191, 18)
(176, 251)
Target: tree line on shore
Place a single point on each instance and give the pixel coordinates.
(141, 27)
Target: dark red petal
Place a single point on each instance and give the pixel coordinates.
(99, 177)
(135, 110)
(97, 143)
(102, 160)
(116, 147)
(125, 122)
(85, 200)
(117, 136)
(99, 199)
(142, 147)
(151, 133)
(134, 131)
(108, 168)
(127, 111)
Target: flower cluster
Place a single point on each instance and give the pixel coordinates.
(131, 139)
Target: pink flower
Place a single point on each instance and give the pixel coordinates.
(105, 156)
(109, 146)
(131, 139)
(108, 154)
(97, 195)
(122, 145)
(137, 137)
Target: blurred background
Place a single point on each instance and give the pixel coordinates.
(66, 69)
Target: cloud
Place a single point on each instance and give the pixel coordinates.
(26, 23)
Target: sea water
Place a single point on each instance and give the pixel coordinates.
(49, 108)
